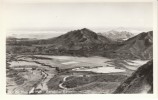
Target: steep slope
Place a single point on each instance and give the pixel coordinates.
(141, 81)
(118, 35)
(137, 47)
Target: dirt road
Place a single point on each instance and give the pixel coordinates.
(61, 84)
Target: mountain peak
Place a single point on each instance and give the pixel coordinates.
(82, 31)
(81, 36)
(118, 35)
(86, 30)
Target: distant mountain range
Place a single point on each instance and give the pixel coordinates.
(85, 42)
(141, 81)
(118, 35)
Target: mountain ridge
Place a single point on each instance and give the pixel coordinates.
(85, 42)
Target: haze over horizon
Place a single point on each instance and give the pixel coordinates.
(59, 18)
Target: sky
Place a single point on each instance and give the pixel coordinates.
(62, 16)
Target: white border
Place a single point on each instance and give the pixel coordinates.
(3, 94)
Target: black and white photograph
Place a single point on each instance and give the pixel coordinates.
(79, 47)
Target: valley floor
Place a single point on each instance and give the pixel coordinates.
(43, 74)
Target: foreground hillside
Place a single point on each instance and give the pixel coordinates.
(140, 82)
(85, 42)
